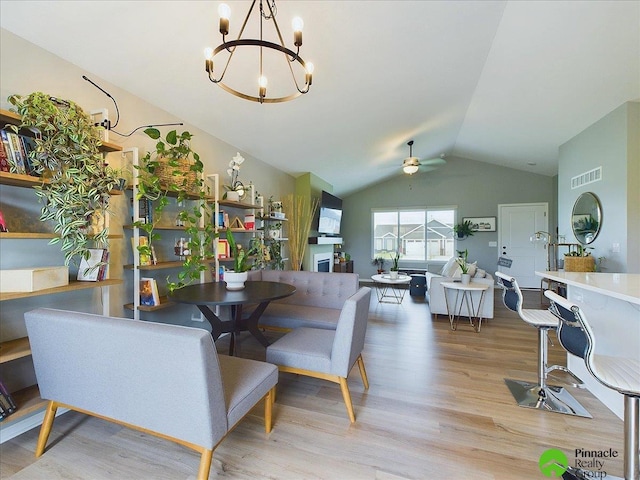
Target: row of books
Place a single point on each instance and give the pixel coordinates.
(145, 211)
(14, 152)
(96, 267)
(7, 404)
(149, 292)
(145, 259)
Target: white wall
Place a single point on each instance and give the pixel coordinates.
(611, 142)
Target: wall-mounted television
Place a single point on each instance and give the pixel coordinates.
(330, 214)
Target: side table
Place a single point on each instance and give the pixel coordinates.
(390, 288)
(466, 299)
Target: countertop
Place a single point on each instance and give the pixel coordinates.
(623, 286)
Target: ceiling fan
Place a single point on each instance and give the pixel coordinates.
(412, 164)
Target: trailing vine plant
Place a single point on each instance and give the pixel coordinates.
(171, 152)
(76, 185)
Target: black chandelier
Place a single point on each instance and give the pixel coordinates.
(267, 12)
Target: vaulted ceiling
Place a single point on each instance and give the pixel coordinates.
(499, 82)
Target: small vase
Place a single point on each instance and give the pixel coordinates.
(233, 196)
(393, 274)
(235, 280)
(465, 278)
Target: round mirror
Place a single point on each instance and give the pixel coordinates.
(586, 218)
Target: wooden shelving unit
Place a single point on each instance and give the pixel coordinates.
(28, 399)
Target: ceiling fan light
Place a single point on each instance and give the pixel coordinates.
(410, 169)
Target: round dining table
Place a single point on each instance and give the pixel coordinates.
(208, 296)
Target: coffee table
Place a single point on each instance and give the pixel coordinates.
(206, 296)
(390, 288)
(466, 299)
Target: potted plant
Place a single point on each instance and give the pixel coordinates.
(173, 150)
(463, 230)
(393, 271)
(578, 259)
(379, 263)
(235, 188)
(235, 278)
(77, 183)
(465, 277)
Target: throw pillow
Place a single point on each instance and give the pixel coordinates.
(480, 273)
(457, 272)
(449, 268)
(473, 268)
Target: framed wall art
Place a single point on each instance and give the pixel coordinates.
(481, 224)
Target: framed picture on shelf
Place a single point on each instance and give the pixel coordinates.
(223, 248)
(481, 224)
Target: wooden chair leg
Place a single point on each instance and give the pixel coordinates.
(205, 465)
(363, 372)
(268, 408)
(347, 398)
(45, 430)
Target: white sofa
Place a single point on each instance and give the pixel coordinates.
(449, 273)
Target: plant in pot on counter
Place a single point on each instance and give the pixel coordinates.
(235, 278)
(464, 266)
(67, 154)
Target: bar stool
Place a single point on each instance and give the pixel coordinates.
(541, 395)
(618, 373)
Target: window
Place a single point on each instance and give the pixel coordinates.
(420, 235)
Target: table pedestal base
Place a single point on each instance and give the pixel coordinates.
(551, 399)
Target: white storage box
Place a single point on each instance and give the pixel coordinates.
(33, 279)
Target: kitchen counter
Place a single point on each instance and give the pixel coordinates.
(611, 304)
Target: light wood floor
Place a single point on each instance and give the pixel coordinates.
(437, 408)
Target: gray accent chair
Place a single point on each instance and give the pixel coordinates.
(165, 380)
(328, 354)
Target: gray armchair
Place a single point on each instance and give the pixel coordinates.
(328, 354)
(165, 380)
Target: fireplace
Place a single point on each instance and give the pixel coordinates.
(323, 262)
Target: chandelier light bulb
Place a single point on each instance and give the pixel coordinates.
(224, 11)
(262, 81)
(297, 24)
(208, 53)
(310, 68)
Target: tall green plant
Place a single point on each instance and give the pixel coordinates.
(173, 148)
(239, 254)
(77, 183)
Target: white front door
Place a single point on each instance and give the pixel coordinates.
(517, 224)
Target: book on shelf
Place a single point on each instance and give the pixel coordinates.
(94, 268)
(4, 159)
(7, 403)
(145, 259)
(29, 145)
(145, 211)
(149, 292)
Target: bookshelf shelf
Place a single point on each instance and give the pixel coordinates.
(162, 265)
(164, 303)
(7, 117)
(40, 235)
(73, 285)
(28, 400)
(14, 349)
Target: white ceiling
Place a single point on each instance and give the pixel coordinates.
(499, 82)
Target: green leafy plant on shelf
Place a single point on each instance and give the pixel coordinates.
(190, 192)
(76, 184)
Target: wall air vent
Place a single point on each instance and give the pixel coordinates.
(585, 178)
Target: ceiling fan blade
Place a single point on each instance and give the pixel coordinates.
(432, 162)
